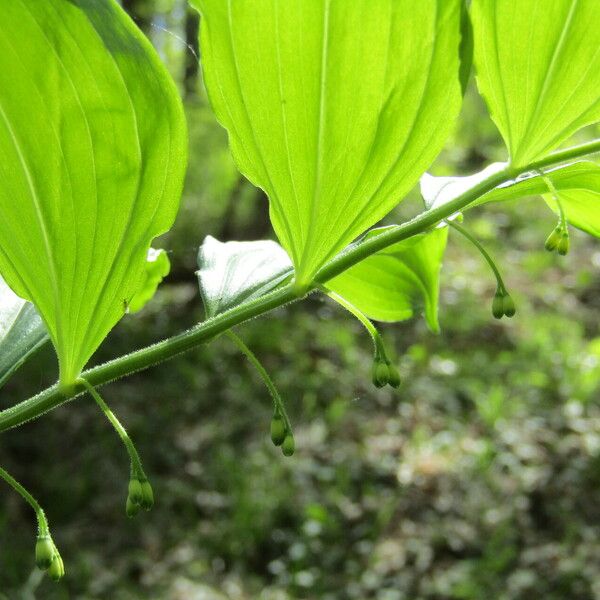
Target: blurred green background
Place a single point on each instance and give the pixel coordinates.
(478, 479)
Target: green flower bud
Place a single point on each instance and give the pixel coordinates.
(135, 491)
(563, 244)
(56, 571)
(288, 445)
(277, 430)
(498, 305)
(394, 378)
(131, 509)
(44, 552)
(381, 373)
(552, 241)
(508, 306)
(147, 495)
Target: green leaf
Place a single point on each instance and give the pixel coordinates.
(21, 331)
(577, 184)
(230, 273)
(92, 157)
(157, 268)
(538, 68)
(399, 281)
(334, 108)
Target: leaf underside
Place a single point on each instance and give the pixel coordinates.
(538, 68)
(577, 184)
(92, 157)
(22, 331)
(230, 273)
(391, 285)
(334, 108)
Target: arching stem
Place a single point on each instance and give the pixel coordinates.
(278, 404)
(136, 464)
(42, 521)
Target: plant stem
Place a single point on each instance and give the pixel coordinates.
(43, 527)
(204, 332)
(553, 191)
(277, 401)
(136, 464)
(371, 329)
(490, 261)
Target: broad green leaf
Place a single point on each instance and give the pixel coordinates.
(230, 273)
(157, 268)
(577, 184)
(399, 281)
(538, 68)
(92, 157)
(21, 331)
(334, 108)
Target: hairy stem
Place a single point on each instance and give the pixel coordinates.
(204, 332)
(43, 527)
(490, 261)
(136, 463)
(252, 358)
(371, 329)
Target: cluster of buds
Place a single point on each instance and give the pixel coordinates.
(385, 373)
(503, 304)
(47, 557)
(558, 240)
(281, 435)
(140, 495)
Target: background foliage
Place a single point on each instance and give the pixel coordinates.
(478, 479)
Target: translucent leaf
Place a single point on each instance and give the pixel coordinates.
(399, 281)
(231, 272)
(157, 268)
(21, 331)
(538, 68)
(92, 156)
(334, 108)
(578, 186)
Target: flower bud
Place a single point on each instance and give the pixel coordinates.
(135, 491)
(44, 552)
(563, 244)
(498, 305)
(56, 571)
(508, 306)
(131, 509)
(394, 376)
(147, 495)
(288, 445)
(381, 373)
(277, 430)
(552, 241)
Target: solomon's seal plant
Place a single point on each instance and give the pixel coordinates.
(335, 109)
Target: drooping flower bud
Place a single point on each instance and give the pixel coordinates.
(563, 244)
(508, 306)
(553, 240)
(56, 571)
(44, 552)
(147, 495)
(498, 304)
(381, 373)
(277, 430)
(289, 445)
(394, 376)
(131, 509)
(135, 491)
